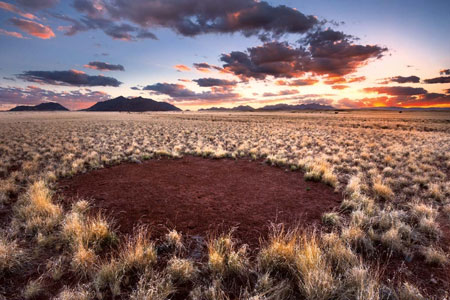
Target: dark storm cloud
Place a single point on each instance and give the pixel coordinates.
(402, 79)
(192, 17)
(442, 79)
(102, 66)
(171, 89)
(209, 82)
(118, 31)
(326, 52)
(179, 92)
(71, 77)
(445, 72)
(396, 90)
(37, 4)
(205, 67)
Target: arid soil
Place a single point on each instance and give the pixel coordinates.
(198, 196)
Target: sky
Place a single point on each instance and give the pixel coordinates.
(211, 53)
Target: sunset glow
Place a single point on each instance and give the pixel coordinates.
(200, 54)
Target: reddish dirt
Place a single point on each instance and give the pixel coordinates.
(197, 196)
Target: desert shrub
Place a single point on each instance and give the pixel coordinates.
(331, 219)
(84, 260)
(153, 287)
(279, 255)
(381, 190)
(407, 291)
(181, 270)
(214, 291)
(11, 256)
(80, 292)
(36, 212)
(174, 239)
(108, 279)
(225, 259)
(361, 284)
(138, 252)
(33, 289)
(317, 280)
(339, 254)
(435, 256)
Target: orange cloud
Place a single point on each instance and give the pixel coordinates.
(15, 9)
(34, 28)
(11, 33)
(182, 68)
(77, 71)
(340, 87)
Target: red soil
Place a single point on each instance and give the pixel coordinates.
(197, 196)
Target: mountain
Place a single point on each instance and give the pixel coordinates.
(47, 106)
(138, 104)
(237, 108)
(312, 106)
(397, 108)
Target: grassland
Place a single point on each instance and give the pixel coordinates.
(389, 239)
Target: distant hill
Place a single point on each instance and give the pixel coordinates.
(396, 108)
(138, 104)
(47, 106)
(282, 106)
(276, 107)
(237, 108)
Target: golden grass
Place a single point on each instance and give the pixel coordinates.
(391, 170)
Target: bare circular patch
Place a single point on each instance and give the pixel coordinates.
(197, 196)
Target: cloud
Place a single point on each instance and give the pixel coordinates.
(445, 72)
(205, 67)
(102, 66)
(442, 79)
(192, 17)
(71, 77)
(447, 91)
(396, 90)
(397, 96)
(402, 79)
(33, 28)
(117, 31)
(11, 33)
(179, 92)
(37, 4)
(210, 82)
(281, 93)
(325, 53)
(297, 82)
(356, 79)
(33, 95)
(339, 87)
(182, 68)
(15, 9)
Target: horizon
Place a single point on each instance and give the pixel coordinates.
(198, 55)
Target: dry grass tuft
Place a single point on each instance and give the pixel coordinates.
(11, 256)
(316, 278)
(225, 258)
(36, 212)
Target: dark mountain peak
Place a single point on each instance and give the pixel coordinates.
(138, 104)
(46, 106)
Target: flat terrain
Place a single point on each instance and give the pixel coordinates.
(198, 196)
(74, 186)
